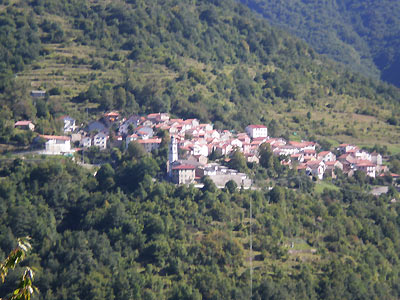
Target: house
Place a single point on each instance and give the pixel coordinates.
(96, 126)
(252, 158)
(130, 138)
(362, 155)
(348, 161)
(158, 118)
(69, 124)
(57, 144)
(256, 131)
(331, 166)
(244, 138)
(25, 125)
(326, 156)
(111, 116)
(285, 150)
(297, 157)
(198, 158)
(145, 132)
(38, 94)
(367, 167)
(100, 140)
(190, 123)
(200, 149)
(225, 135)
(376, 158)
(310, 153)
(131, 122)
(344, 148)
(76, 137)
(236, 143)
(86, 142)
(183, 174)
(303, 145)
(150, 144)
(206, 127)
(316, 168)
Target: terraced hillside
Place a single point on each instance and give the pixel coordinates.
(215, 61)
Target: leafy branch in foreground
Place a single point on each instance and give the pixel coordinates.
(25, 289)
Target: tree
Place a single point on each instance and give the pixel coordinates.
(26, 288)
(105, 177)
(266, 156)
(238, 162)
(277, 194)
(136, 150)
(231, 186)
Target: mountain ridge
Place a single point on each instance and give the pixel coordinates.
(364, 36)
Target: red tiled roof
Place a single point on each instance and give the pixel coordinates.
(153, 115)
(111, 114)
(353, 150)
(309, 151)
(364, 163)
(184, 167)
(257, 126)
(56, 137)
(22, 123)
(149, 141)
(324, 153)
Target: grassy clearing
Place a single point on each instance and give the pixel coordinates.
(321, 185)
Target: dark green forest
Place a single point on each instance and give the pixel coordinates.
(363, 35)
(119, 235)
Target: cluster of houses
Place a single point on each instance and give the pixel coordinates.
(195, 142)
(351, 158)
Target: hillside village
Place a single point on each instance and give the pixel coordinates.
(192, 143)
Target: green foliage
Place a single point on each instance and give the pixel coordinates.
(142, 239)
(26, 288)
(359, 35)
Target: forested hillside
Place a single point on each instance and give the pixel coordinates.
(105, 238)
(216, 61)
(364, 35)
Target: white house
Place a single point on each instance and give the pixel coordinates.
(38, 94)
(27, 125)
(326, 156)
(367, 167)
(376, 158)
(57, 144)
(100, 140)
(86, 142)
(316, 168)
(200, 149)
(363, 155)
(133, 122)
(257, 131)
(158, 117)
(183, 174)
(150, 144)
(344, 148)
(69, 124)
(286, 150)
